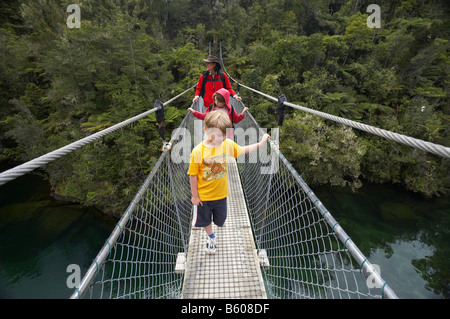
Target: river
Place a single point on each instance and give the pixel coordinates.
(405, 234)
(40, 237)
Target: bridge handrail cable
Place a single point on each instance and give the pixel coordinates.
(400, 138)
(29, 166)
(93, 271)
(366, 268)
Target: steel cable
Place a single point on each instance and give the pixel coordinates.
(29, 166)
(400, 138)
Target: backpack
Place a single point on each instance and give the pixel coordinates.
(205, 79)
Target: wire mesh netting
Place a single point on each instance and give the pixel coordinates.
(301, 254)
(304, 256)
(140, 264)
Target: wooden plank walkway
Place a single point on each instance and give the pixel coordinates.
(234, 270)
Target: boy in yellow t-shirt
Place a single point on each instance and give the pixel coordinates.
(208, 174)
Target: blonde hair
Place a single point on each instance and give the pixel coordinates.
(218, 120)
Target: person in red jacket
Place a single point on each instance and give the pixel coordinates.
(215, 80)
(221, 103)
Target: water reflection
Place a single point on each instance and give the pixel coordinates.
(40, 237)
(406, 235)
(399, 262)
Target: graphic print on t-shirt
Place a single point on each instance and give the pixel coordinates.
(215, 167)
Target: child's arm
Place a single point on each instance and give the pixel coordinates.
(238, 117)
(198, 115)
(253, 147)
(195, 199)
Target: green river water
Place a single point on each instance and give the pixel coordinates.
(406, 235)
(40, 237)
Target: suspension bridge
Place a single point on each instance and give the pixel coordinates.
(279, 240)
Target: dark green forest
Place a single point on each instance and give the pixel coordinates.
(60, 84)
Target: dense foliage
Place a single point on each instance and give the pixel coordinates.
(60, 84)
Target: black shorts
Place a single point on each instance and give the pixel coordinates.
(215, 210)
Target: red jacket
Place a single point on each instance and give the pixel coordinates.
(236, 118)
(212, 86)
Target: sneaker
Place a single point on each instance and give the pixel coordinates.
(211, 245)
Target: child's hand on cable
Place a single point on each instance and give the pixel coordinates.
(263, 140)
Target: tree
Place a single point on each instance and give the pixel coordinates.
(323, 153)
(58, 85)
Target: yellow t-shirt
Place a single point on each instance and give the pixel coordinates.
(210, 166)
